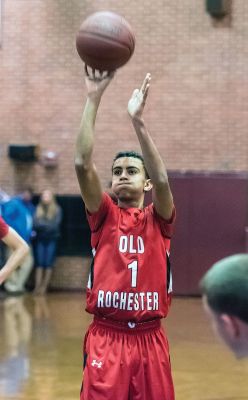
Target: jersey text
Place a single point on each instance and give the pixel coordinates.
(128, 301)
(130, 244)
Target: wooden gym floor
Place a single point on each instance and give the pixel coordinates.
(41, 342)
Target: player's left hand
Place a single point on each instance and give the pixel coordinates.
(138, 100)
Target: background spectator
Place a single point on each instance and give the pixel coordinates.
(47, 222)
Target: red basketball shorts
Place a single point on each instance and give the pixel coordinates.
(126, 362)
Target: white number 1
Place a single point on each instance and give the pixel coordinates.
(134, 267)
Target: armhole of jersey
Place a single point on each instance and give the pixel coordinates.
(169, 273)
(166, 226)
(91, 274)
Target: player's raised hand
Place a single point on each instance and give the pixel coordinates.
(97, 81)
(138, 100)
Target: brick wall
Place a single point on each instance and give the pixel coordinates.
(71, 273)
(198, 102)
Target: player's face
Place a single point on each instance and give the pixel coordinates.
(128, 178)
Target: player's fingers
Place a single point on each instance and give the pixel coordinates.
(98, 75)
(146, 92)
(89, 72)
(110, 74)
(145, 82)
(86, 70)
(93, 73)
(104, 74)
(135, 92)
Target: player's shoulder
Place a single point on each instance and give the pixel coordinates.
(149, 209)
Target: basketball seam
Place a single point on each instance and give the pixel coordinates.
(88, 33)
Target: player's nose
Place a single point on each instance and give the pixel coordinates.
(123, 175)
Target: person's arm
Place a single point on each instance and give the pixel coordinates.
(162, 196)
(20, 251)
(88, 179)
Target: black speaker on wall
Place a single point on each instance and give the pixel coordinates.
(218, 8)
(25, 153)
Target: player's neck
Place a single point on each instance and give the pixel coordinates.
(131, 203)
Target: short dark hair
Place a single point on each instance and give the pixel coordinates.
(131, 153)
(225, 286)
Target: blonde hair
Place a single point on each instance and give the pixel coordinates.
(47, 211)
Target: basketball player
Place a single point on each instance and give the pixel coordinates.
(225, 299)
(19, 247)
(126, 354)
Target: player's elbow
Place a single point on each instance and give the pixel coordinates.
(82, 164)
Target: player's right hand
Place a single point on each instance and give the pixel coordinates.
(97, 81)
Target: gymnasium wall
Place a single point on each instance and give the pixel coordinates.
(197, 110)
(212, 223)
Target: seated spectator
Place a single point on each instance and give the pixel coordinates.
(225, 299)
(47, 222)
(18, 213)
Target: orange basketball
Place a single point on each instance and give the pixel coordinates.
(105, 41)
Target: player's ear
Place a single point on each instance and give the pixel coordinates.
(148, 185)
(230, 324)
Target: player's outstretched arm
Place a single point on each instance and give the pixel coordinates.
(162, 196)
(88, 179)
(20, 251)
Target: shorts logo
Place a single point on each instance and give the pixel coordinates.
(96, 364)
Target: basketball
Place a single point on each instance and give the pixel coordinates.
(105, 41)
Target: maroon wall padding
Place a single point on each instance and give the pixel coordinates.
(212, 214)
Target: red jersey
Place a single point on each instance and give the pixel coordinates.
(130, 276)
(4, 228)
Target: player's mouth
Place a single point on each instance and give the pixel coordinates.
(124, 183)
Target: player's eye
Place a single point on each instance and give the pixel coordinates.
(132, 171)
(117, 172)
